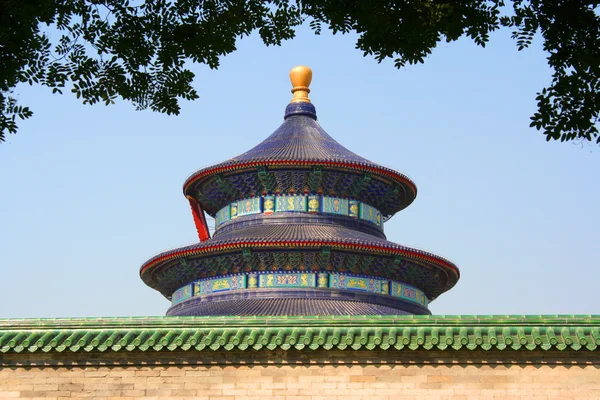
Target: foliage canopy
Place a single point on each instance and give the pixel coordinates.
(137, 50)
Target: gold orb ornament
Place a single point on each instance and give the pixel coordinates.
(300, 77)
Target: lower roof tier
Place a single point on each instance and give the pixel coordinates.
(299, 247)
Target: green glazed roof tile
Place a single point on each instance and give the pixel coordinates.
(456, 332)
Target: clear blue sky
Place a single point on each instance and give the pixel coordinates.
(90, 193)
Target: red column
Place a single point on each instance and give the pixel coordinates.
(199, 219)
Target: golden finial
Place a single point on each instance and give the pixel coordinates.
(300, 77)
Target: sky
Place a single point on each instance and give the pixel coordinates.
(91, 192)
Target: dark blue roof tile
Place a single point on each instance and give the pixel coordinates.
(278, 306)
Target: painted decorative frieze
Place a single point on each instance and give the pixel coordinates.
(408, 292)
(354, 208)
(312, 203)
(351, 282)
(334, 205)
(291, 203)
(233, 210)
(222, 215)
(323, 280)
(385, 287)
(181, 294)
(333, 280)
(232, 282)
(286, 280)
(370, 214)
(269, 205)
(249, 206)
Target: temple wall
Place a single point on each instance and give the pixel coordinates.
(303, 375)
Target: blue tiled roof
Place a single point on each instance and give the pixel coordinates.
(301, 138)
(297, 233)
(279, 306)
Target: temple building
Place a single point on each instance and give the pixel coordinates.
(299, 230)
(299, 295)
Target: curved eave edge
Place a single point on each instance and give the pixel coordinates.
(222, 168)
(410, 254)
(451, 333)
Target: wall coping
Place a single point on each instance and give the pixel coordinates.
(372, 332)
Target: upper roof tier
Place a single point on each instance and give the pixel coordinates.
(300, 157)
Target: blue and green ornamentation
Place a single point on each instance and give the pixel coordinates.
(269, 204)
(408, 292)
(181, 294)
(370, 214)
(233, 282)
(233, 212)
(252, 281)
(385, 287)
(291, 203)
(249, 206)
(314, 205)
(222, 215)
(354, 208)
(287, 280)
(323, 280)
(351, 282)
(334, 205)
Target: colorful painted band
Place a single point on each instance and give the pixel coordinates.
(279, 280)
(291, 203)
